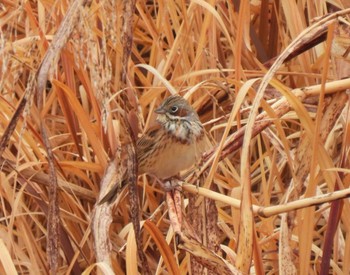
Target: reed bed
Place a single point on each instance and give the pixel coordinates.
(79, 78)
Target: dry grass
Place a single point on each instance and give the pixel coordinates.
(272, 142)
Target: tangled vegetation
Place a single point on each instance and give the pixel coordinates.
(79, 78)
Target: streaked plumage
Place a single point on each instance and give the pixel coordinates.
(175, 144)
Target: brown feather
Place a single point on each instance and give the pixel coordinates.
(173, 145)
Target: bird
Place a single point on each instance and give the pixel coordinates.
(174, 144)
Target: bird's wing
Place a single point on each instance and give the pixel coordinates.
(146, 143)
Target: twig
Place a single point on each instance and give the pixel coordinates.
(270, 210)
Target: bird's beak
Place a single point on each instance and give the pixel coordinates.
(159, 110)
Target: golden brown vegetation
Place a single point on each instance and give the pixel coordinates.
(75, 73)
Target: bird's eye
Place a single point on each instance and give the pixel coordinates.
(174, 109)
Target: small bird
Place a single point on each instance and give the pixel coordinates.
(173, 145)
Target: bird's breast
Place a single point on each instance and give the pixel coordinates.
(173, 158)
(183, 130)
(178, 146)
